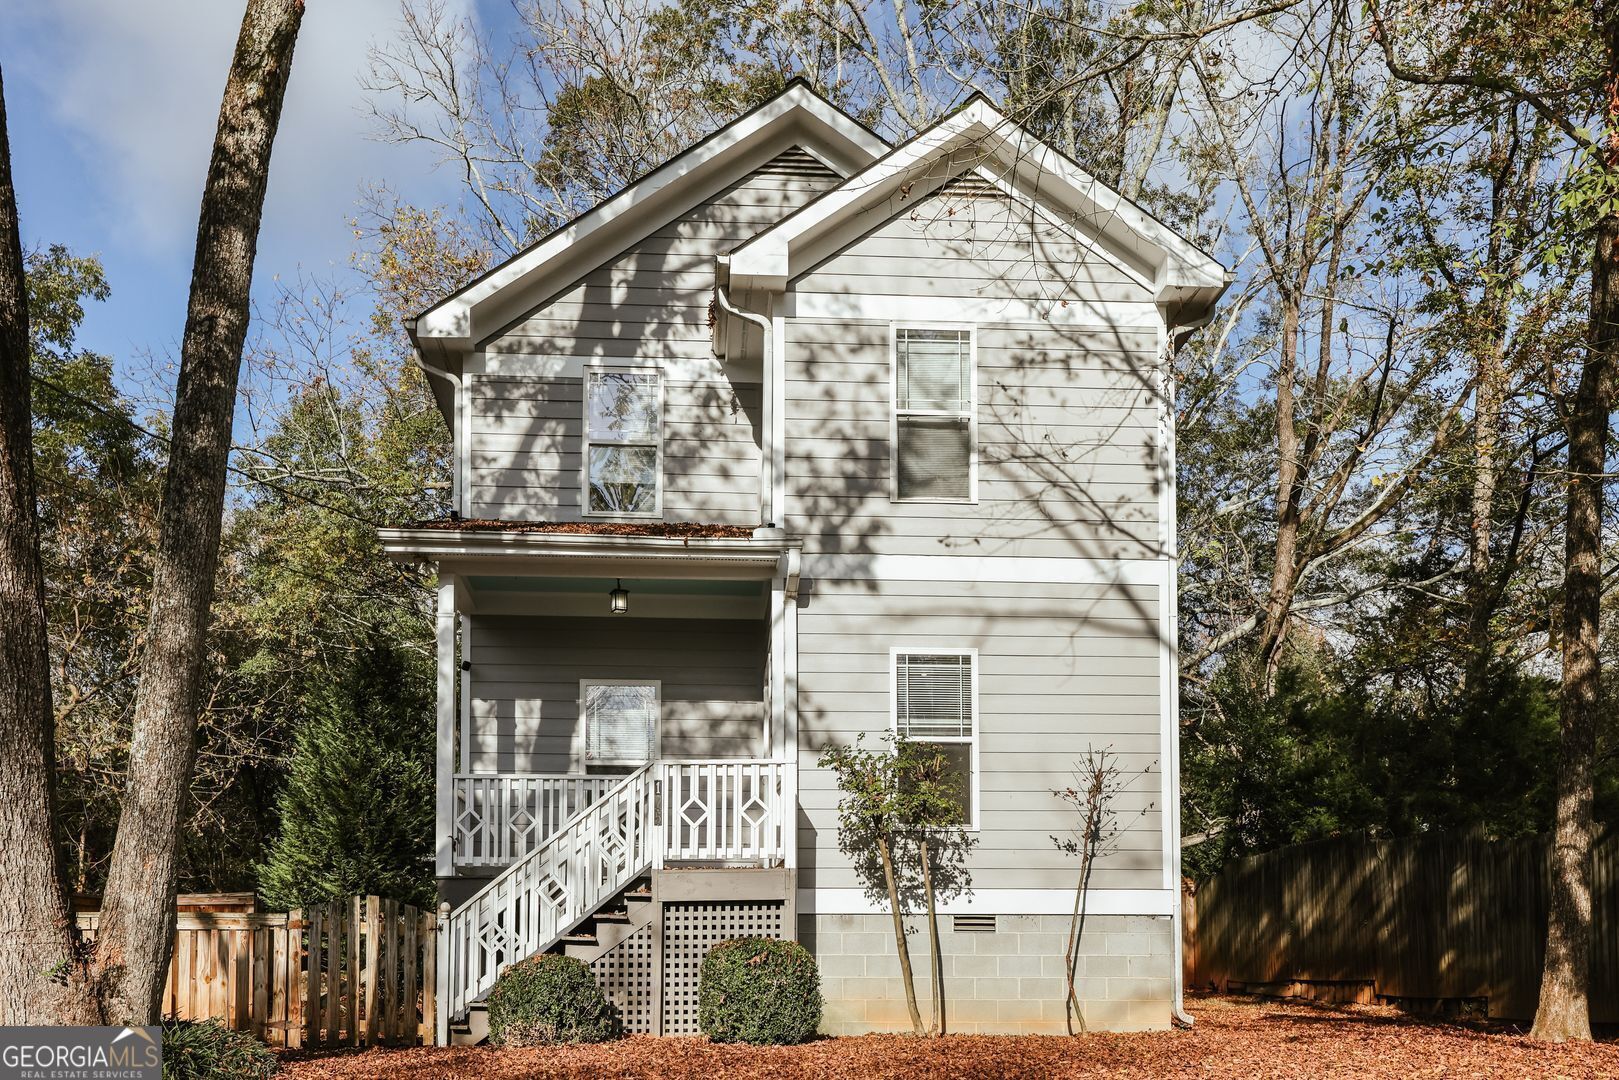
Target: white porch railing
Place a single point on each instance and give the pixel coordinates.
(673, 811)
(499, 818)
(548, 892)
(727, 810)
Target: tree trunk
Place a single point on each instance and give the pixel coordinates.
(899, 936)
(136, 928)
(935, 953)
(1284, 567)
(1565, 983)
(36, 930)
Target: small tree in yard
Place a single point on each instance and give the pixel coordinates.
(898, 824)
(357, 811)
(1098, 780)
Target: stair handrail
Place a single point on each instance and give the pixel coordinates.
(534, 902)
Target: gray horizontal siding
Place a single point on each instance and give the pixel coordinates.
(1067, 446)
(648, 303)
(968, 240)
(525, 686)
(1062, 669)
(525, 456)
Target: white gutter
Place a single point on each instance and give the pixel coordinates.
(767, 507)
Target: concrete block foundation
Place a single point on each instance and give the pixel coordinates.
(1003, 981)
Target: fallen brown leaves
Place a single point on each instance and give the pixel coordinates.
(1232, 1038)
(683, 530)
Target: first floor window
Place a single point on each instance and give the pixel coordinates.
(623, 443)
(936, 704)
(935, 431)
(621, 721)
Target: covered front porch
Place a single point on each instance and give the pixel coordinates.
(569, 662)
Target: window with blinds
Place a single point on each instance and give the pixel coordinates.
(935, 702)
(935, 432)
(623, 443)
(621, 721)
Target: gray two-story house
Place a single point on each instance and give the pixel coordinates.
(800, 436)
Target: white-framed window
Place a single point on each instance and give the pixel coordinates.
(933, 445)
(623, 445)
(621, 720)
(935, 701)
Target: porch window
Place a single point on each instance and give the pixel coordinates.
(621, 721)
(935, 432)
(936, 703)
(623, 447)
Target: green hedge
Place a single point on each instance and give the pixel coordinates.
(208, 1050)
(549, 999)
(761, 991)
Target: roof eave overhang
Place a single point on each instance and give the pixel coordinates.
(798, 116)
(975, 135)
(586, 555)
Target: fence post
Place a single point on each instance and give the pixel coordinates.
(373, 968)
(295, 982)
(441, 980)
(428, 1032)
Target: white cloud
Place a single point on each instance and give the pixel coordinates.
(136, 87)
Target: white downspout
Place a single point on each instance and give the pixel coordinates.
(458, 486)
(767, 508)
(1177, 1008)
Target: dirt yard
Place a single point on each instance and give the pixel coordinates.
(1232, 1038)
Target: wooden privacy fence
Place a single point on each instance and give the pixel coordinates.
(353, 971)
(1429, 921)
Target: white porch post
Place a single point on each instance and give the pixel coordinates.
(448, 710)
(779, 662)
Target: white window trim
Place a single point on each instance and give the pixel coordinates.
(656, 513)
(973, 740)
(971, 330)
(657, 720)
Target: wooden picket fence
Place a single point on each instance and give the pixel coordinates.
(350, 972)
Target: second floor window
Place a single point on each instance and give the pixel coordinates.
(623, 446)
(935, 429)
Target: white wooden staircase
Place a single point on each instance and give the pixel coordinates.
(584, 887)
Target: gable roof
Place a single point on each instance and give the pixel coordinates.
(798, 116)
(977, 136)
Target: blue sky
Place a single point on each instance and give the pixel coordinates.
(111, 106)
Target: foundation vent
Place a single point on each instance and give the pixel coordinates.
(973, 924)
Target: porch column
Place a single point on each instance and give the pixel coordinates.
(778, 669)
(448, 709)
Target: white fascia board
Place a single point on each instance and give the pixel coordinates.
(581, 554)
(1038, 170)
(798, 112)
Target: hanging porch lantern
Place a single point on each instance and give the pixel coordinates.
(619, 599)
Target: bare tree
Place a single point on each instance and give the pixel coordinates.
(136, 929)
(1574, 86)
(1098, 780)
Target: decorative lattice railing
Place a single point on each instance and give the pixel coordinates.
(738, 811)
(501, 817)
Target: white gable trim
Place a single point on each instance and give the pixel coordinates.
(797, 116)
(975, 134)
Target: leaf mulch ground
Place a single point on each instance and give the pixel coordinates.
(1232, 1038)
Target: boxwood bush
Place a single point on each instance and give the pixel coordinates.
(208, 1050)
(761, 991)
(549, 999)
